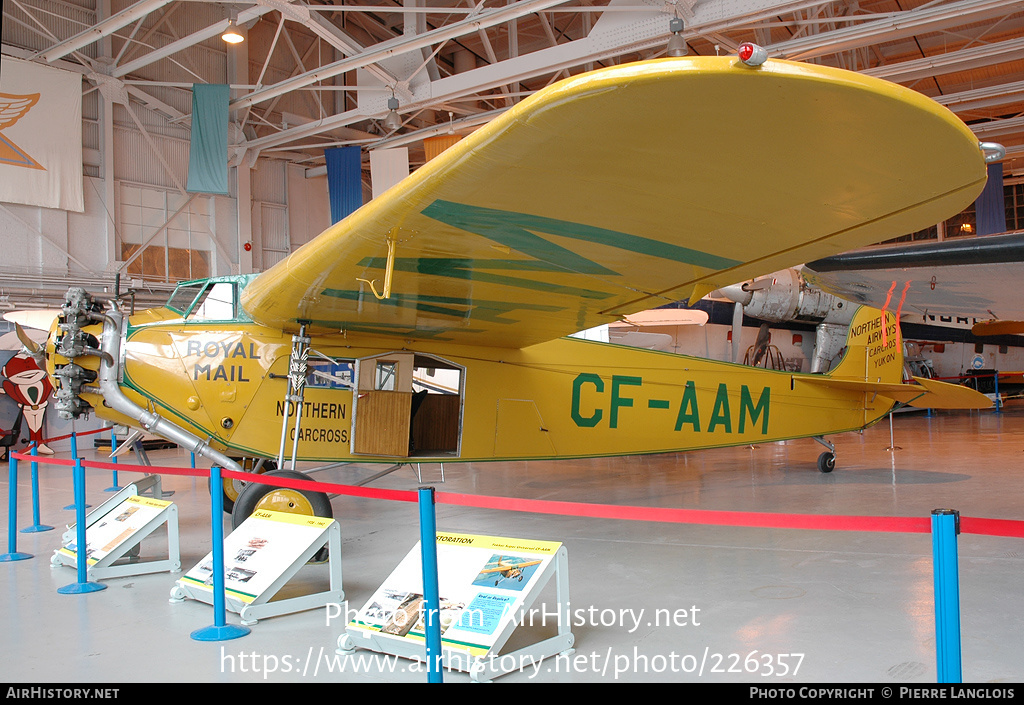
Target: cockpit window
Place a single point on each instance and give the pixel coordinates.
(183, 297)
(216, 303)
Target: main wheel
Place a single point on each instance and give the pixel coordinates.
(827, 462)
(233, 487)
(257, 496)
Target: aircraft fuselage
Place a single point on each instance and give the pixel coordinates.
(228, 382)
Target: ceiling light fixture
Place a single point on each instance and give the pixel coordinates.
(392, 122)
(231, 34)
(676, 43)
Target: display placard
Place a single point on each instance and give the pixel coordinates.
(484, 583)
(258, 552)
(115, 528)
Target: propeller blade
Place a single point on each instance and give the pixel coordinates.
(666, 317)
(38, 318)
(737, 330)
(34, 349)
(31, 346)
(998, 328)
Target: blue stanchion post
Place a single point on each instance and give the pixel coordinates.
(998, 403)
(431, 591)
(12, 514)
(220, 630)
(74, 456)
(36, 526)
(945, 527)
(81, 549)
(113, 458)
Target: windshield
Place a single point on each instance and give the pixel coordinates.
(183, 296)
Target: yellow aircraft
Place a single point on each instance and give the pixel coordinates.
(506, 570)
(606, 194)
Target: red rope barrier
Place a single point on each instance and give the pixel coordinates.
(818, 522)
(692, 516)
(40, 459)
(74, 433)
(992, 527)
(351, 490)
(146, 469)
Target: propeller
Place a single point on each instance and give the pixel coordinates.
(764, 336)
(39, 319)
(740, 294)
(34, 349)
(666, 317)
(998, 327)
(737, 330)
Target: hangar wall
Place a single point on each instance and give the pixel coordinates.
(148, 152)
(287, 210)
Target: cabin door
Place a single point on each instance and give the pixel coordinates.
(383, 407)
(408, 405)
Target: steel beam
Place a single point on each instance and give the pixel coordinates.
(102, 29)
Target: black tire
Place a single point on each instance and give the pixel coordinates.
(827, 462)
(302, 501)
(233, 488)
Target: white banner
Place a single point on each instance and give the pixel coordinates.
(387, 168)
(40, 136)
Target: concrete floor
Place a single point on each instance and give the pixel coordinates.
(833, 606)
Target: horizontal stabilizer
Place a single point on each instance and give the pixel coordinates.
(943, 395)
(900, 392)
(925, 394)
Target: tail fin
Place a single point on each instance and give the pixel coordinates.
(873, 364)
(874, 349)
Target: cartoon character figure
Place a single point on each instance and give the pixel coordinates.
(30, 388)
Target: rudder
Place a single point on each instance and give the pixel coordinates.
(874, 351)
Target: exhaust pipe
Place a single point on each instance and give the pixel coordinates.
(107, 378)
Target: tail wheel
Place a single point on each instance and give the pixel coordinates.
(256, 496)
(827, 462)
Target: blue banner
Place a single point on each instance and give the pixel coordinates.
(208, 151)
(344, 180)
(990, 207)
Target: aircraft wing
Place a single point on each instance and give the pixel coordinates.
(974, 277)
(624, 189)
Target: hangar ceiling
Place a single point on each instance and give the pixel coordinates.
(320, 74)
(312, 75)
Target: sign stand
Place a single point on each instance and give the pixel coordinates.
(260, 557)
(489, 587)
(115, 530)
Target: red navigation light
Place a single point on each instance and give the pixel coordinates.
(751, 54)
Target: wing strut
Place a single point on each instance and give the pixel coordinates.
(297, 368)
(389, 269)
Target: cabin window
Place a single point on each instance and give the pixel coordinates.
(183, 297)
(216, 303)
(386, 373)
(330, 374)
